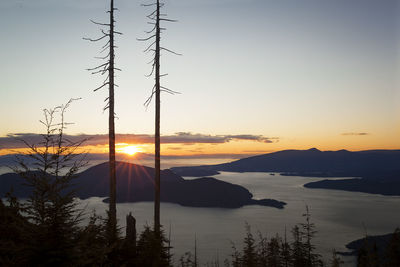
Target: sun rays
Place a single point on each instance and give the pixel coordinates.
(128, 149)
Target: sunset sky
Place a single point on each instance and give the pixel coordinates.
(256, 76)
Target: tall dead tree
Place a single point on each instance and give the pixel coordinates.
(108, 68)
(156, 17)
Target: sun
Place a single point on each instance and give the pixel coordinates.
(130, 150)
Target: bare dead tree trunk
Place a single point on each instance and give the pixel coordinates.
(109, 68)
(111, 131)
(156, 48)
(131, 231)
(157, 153)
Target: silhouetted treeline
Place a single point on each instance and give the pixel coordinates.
(298, 250)
(25, 243)
(279, 251)
(51, 242)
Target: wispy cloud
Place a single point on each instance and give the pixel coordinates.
(13, 140)
(360, 134)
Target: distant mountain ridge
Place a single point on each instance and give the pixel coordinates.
(379, 170)
(311, 162)
(136, 183)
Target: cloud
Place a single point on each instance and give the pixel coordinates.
(258, 138)
(359, 134)
(11, 141)
(175, 148)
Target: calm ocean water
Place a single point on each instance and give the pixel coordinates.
(340, 216)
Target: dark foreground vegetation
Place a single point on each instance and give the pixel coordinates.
(54, 238)
(59, 241)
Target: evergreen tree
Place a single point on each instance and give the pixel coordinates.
(285, 251)
(152, 249)
(299, 258)
(308, 232)
(51, 207)
(249, 258)
(368, 254)
(274, 252)
(236, 257)
(362, 256)
(186, 260)
(262, 250)
(392, 252)
(15, 234)
(92, 243)
(375, 256)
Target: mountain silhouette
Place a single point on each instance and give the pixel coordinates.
(312, 162)
(379, 170)
(135, 183)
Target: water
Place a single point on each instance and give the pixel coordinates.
(340, 216)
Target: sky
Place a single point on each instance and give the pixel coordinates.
(255, 76)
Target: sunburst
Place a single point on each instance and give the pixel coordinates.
(129, 150)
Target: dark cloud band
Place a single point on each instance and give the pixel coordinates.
(14, 140)
(360, 134)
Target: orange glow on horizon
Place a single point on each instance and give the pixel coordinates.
(301, 141)
(128, 149)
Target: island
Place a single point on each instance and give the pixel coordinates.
(135, 183)
(373, 171)
(382, 184)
